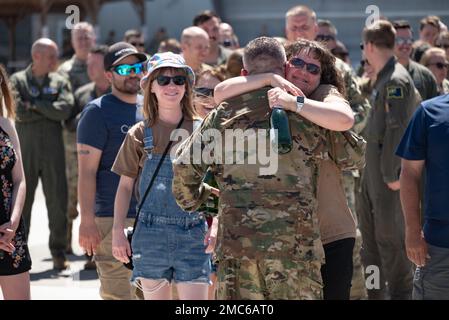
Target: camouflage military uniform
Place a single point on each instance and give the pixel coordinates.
(268, 237)
(360, 106)
(394, 99)
(41, 106)
(75, 71)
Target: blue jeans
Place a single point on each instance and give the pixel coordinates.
(171, 249)
(431, 282)
(168, 242)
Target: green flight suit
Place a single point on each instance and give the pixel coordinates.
(423, 79)
(75, 71)
(394, 99)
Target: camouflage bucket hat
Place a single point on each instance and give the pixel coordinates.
(164, 60)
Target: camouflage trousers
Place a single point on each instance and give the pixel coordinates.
(268, 279)
(358, 288)
(71, 158)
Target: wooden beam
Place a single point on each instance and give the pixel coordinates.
(11, 22)
(139, 6)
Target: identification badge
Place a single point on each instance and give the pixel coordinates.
(34, 92)
(49, 90)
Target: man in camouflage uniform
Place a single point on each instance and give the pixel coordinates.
(301, 22)
(394, 99)
(44, 99)
(75, 70)
(268, 239)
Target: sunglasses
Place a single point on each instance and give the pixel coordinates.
(165, 80)
(204, 92)
(323, 37)
(401, 41)
(362, 46)
(125, 69)
(443, 46)
(138, 44)
(439, 65)
(300, 64)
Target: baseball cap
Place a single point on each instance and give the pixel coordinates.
(119, 51)
(167, 59)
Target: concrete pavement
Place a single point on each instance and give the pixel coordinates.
(46, 284)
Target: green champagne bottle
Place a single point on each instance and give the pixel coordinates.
(211, 204)
(281, 139)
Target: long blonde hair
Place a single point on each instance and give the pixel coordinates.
(151, 105)
(6, 97)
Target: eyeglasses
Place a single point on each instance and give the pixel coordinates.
(439, 65)
(138, 44)
(401, 41)
(208, 92)
(165, 80)
(324, 37)
(310, 67)
(125, 69)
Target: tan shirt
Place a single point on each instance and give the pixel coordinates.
(131, 156)
(335, 219)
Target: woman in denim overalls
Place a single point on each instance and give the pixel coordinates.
(168, 243)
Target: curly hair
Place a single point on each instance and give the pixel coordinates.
(329, 73)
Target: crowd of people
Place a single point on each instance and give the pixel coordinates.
(116, 131)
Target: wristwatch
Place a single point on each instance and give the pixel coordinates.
(299, 103)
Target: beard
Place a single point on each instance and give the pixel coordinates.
(129, 86)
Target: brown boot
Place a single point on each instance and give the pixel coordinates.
(90, 263)
(60, 263)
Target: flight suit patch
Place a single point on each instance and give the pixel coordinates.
(50, 90)
(395, 93)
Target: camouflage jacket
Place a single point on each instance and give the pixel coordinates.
(262, 214)
(359, 104)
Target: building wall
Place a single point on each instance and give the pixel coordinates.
(250, 18)
(173, 15)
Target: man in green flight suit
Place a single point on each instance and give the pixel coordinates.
(75, 70)
(44, 99)
(394, 99)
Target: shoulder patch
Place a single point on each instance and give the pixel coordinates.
(395, 92)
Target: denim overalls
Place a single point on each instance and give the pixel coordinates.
(168, 242)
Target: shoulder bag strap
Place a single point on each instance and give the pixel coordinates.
(154, 176)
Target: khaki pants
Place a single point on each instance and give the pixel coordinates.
(114, 276)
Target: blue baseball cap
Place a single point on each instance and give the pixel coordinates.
(170, 60)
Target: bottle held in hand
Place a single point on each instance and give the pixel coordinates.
(280, 136)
